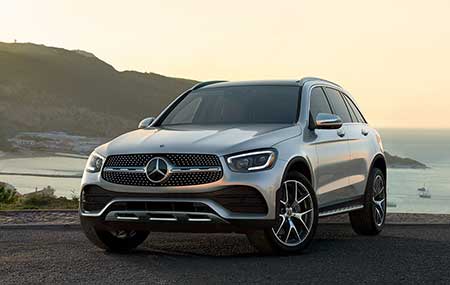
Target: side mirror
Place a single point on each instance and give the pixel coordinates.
(145, 123)
(328, 121)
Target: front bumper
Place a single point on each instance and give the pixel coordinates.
(158, 205)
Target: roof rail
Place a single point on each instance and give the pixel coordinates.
(306, 79)
(206, 83)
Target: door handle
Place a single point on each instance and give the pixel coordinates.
(341, 133)
(364, 132)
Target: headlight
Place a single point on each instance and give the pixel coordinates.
(95, 163)
(252, 161)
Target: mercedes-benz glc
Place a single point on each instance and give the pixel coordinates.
(264, 158)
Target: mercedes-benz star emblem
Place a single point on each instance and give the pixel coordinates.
(157, 170)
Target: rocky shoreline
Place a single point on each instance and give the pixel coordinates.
(70, 217)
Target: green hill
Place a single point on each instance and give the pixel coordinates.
(53, 89)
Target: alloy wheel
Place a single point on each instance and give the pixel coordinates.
(296, 215)
(379, 200)
(122, 234)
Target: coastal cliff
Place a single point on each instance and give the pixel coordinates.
(394, 161)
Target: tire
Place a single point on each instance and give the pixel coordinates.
(370, 219)
(295, 224)
(114, 241)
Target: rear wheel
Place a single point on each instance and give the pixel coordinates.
(296, 218)
(370, 219)
(113, 240)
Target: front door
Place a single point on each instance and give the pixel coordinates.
(333, 155)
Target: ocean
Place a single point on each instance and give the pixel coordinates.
(431, 147)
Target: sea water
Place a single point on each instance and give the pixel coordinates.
(431, 147)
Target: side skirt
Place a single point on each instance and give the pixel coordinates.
(342, 207)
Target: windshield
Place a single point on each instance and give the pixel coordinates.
(237, 105)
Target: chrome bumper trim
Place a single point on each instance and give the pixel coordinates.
(199, 220)
(211, 204)
(126, 218)
(163, 216)
(162, 219)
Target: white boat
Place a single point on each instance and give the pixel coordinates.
(424, 192)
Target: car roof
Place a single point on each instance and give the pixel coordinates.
(252, 83)
(292, 82)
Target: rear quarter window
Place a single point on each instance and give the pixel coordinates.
(354, 109)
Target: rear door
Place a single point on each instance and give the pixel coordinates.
(332, 152)
(358, 133)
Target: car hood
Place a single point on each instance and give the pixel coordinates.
(220, 140)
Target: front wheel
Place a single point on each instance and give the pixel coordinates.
(296, 218)
(113, 240)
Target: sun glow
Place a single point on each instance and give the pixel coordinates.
(393, 56)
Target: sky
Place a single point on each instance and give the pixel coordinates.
(392, 56)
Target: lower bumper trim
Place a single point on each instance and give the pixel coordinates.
(163, 216)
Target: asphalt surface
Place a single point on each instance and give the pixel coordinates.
(401, 254)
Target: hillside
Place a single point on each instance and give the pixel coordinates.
(394, 161)
(53, 89)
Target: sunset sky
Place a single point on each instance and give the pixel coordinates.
(393, 56)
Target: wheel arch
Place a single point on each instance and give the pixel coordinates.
(301, 165)
(379, 161)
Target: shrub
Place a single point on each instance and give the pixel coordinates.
(7, 196)
(43, 199)
(48, 202)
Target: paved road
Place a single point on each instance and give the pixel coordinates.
(401, 254)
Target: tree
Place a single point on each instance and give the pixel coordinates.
(7, 196)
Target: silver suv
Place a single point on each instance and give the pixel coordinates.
(264, 158)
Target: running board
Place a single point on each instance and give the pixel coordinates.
(340, 210)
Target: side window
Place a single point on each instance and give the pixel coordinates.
(355, 110)
(319, 103)
(338, 104)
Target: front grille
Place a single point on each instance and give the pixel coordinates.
(237, 199)
(176, 179)
(191, 160)
(182, 160)
(128, 160)
(184, 178)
